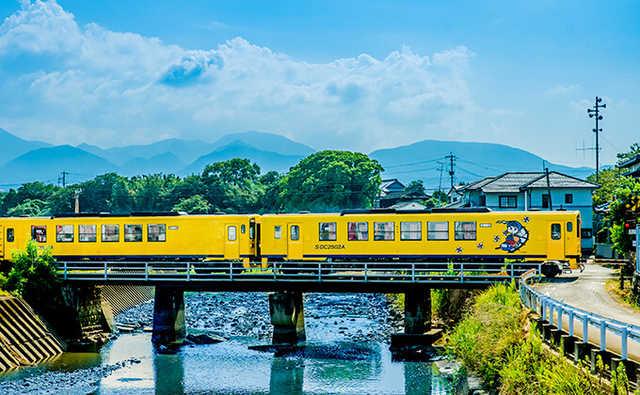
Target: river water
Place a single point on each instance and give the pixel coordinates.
(331, 362)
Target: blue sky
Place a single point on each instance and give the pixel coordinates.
(332, 74)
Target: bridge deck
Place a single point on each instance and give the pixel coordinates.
(303, 276)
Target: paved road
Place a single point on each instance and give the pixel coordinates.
(587, 291)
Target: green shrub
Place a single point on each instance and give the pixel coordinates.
(491, 341)
(32, 268)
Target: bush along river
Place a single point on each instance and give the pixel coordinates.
(346, 352)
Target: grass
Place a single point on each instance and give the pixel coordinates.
(621, 296)
(495, 341)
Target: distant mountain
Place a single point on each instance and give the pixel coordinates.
(185, 150)
(45, 164)
(12, 146)
(163, 163)
(266, 142)
(423, 160)
(267, 160)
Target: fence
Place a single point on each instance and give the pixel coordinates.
(464, 273)
(606, 333)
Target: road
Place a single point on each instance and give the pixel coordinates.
(587, 291)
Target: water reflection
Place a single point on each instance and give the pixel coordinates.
(168, 372)
(230, 367)
(287, 376)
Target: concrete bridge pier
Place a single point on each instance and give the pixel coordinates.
(287, 317)
(169, 326)
(417, 311)
(417, 324)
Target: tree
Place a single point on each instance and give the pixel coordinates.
(31, 269)
(232, 185)
(331, 180)
(270, 200)
(29, 208)
(634, 150)
(193, 205)
(414, 189)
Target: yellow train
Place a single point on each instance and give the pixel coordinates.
(438, 235)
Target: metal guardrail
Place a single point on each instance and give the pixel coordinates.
(319, 271)
(554, 312)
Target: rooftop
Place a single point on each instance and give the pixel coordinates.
(519, 181)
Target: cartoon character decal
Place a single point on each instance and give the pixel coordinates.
(516, 236)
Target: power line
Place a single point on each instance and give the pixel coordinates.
(452, 171)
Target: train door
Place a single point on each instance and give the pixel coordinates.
(231, 242)
(555, 248)
(570, 238)
(294, 246)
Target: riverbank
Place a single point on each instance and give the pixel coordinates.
(496, 341)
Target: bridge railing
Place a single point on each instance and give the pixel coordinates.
(318, 271)
(605, 333)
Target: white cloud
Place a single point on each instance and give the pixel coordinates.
(85, 83)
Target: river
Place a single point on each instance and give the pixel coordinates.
(337, 359)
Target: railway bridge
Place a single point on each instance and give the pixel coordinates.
(286, 283)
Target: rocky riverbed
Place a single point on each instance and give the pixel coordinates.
(349, 317)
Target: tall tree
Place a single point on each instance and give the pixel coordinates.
(331, 180)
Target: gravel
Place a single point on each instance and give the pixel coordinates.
(348, 317)
(82, 381)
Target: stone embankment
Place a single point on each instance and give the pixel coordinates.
(24, 338)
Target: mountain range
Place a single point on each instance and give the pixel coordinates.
(23, 160)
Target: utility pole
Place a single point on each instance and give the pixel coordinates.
(546, 172)
(440, 169)
(594, 112)
(63, 178)
(76, 198)
(452, 171)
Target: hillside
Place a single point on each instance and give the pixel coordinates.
(45, 164)
(422, 160)
(267, 160)
(267, 142)
(12, 146)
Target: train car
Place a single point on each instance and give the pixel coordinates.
(438, 235)
(134, 237)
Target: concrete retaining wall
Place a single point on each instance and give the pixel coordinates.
(24, 339)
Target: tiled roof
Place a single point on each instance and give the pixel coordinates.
(518, 181)
(478, 184)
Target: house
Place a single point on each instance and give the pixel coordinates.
(631, 166)
(392, 192)
(534, 191)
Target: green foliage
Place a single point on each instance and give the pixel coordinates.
(491, 341)
(195, 204)
(634, 150)
(34, 268)
(29, 207)
(330, 180)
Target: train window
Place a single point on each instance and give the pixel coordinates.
(39, 233)
(10, 235)
(156, 232)
(357, 231)
(64, 233)
(243, 228)
(465, 230)
(132, 233)
(556, 231)
(569, 227)
(252, 230)
(295, 232)
(87, 233)
(277, 232)
(328, 231)
(231, 233)
(410, 230)
(384, 231)
(437, 230)
(110, 233)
